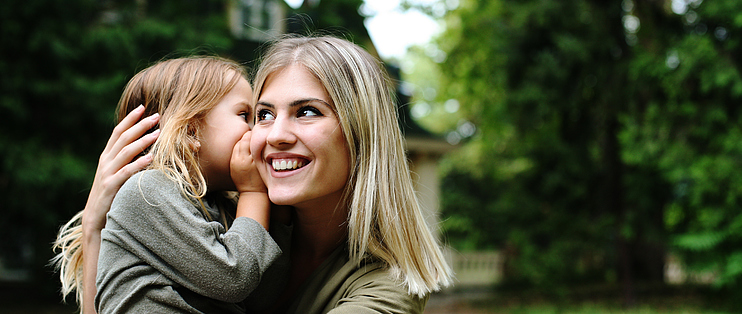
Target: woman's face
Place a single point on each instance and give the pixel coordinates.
(297, 142)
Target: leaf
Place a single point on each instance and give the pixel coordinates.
(699, 242)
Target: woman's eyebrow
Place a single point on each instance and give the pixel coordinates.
(295, 103)
(264, 103)
(305, 101)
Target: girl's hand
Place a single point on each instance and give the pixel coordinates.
(242, 168)
(253, 202)
(117, 163)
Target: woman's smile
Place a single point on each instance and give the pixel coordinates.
(283, 162)
(286, 164)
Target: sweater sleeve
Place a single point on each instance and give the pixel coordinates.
(151, 218)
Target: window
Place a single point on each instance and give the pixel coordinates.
(257, 20)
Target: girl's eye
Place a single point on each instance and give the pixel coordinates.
(264, 114)
(246, 116)
(308, 112)
(249, 119)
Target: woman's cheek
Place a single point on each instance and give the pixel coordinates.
(257, 145)
(256, 141)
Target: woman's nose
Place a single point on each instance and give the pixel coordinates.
(281, 133)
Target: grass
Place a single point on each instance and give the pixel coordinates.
(596, 300)
(595, 307)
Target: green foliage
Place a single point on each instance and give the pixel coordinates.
(64, 65)
(337, 17)
(518, 69)
(685, 120)
(600, 143)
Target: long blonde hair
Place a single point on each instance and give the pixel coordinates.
(385, 219)
(182, 91)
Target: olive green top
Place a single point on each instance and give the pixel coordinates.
(340, 286)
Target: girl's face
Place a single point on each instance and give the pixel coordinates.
(224, 126)
(297, 143)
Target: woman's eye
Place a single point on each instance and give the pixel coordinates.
(264, 115)
(308, 112)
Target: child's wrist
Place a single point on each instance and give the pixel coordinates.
(255, 205)
(253, 194)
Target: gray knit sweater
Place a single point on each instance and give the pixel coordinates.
(160, 255)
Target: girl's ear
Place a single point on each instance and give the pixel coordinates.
(194, 144)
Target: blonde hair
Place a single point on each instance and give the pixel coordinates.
(182, 91)
(385, 219)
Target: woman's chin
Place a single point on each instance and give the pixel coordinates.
(280, 198)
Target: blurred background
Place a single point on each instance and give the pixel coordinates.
(575, 156)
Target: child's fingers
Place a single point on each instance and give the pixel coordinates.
(241, 149)
(246, 141)
(243, 170)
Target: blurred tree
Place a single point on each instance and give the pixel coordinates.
(64, 65)
(606, 135)
(540, 82)
(684, 120)
(334, 17)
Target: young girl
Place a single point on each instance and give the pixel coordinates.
(165, 246)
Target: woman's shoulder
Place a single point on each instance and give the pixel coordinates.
(345, 286)
(372, 286)
(373, 278)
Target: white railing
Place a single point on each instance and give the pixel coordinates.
(482, 268)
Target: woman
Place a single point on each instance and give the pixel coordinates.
(327, 142)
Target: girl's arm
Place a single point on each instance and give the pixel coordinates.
(151, 222)
(116, 164)
(253, 202)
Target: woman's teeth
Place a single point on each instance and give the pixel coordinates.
(285, 164)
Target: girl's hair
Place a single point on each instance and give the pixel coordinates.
(193, 86)
(182, 91)
(385, 219)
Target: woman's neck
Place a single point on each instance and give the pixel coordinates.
(317, 233)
